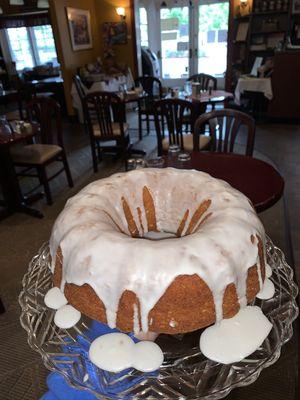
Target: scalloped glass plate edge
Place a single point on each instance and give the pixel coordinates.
(31, 317)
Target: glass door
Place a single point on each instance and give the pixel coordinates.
(190, 37)
(175, 44)
(212, 24)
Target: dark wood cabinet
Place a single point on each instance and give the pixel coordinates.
(286, 86)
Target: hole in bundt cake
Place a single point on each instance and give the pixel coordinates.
(143, 223)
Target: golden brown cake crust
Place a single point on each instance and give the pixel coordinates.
(187, 304)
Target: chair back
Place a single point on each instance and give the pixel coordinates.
(170, 113)
(151, 85)
(206, 81)
(79, 86)
(102, 109)
(224, 127)
(46, 112)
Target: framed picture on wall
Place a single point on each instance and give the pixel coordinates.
(295, 6)
(80, 28)
(114, 33)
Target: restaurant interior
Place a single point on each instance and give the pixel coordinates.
(90, 89)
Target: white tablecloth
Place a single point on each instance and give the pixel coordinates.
(110, 84)
(263, 85)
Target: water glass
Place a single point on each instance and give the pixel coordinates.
(173, 152)
(131, 164)
(184, 160)
(140, 163)
(135, 163)
(158, 162)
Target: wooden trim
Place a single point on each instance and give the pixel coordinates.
(133, 35)
(230, 40)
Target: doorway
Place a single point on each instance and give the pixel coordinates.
(189, 37)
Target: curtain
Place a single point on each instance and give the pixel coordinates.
(24, 20)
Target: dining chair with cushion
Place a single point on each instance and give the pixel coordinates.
(169, 116)
(109, 125)
(224, 127)
(48, 147)
(153, 89)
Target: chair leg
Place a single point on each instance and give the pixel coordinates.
(94, 156)
(99, 152)
(67, 169)
(44, 179)
(148, 124)
(140, 127)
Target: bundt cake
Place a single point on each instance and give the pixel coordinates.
(208, 259)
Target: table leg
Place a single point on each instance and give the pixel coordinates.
(2, 309)
(13, 199)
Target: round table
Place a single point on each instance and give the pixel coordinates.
(258, 180)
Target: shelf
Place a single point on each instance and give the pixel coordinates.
(243, 18)
(262, 51)
(268, 33)
(262, 13)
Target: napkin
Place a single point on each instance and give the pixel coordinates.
(110, 385)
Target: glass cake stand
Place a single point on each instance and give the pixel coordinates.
(185, 374)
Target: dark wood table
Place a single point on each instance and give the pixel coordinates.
(14, 201)
(258, 180)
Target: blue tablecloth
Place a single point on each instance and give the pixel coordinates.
(109, 386)
(60, 390)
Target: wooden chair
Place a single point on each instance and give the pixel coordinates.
(153, 88)
(206, 81)
(224, 127)
(49, 147)
(79, 87)
(170, 113)
(109, 125)
(26, 92)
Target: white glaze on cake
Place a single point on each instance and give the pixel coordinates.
(112, 352)
(236, 338)
(67, 317)
(147, 357)
(116, 352)
(55, 298)
(268, 290)
(97, 253)
(269, 271)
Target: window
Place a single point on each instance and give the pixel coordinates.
(45, 45)
(144, 27)
(20, 47)
(31, 46)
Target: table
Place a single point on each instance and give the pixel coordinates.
(8, 96)
(262, 85)
(216, 96)
(258, 180)
(13, 198)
